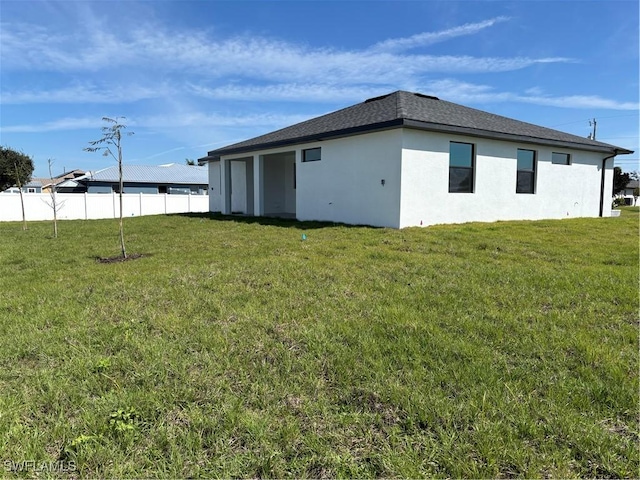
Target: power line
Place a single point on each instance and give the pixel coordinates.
(609, 138)
(588, 119)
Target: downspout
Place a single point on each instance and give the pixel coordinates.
(604, 163)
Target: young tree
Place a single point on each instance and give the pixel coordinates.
(112, 140)
(620, 180)
(54, 204)
(19, 184)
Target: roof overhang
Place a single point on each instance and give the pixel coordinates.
(474, 132)
(215, 155)
(68, 184)
(346, 132)
(204, 160)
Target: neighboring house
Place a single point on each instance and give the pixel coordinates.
(407, 159)
(627, 193)
(171, 179)
(43, 185)
(32, 186)
(35, 185)
(58, 179)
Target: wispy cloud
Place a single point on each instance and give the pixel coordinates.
(155, 49)
(199, 119)
(54, 125)
(465, 92)
(186, 119)
(579, 101)
(86, 93)
(429, 38)
(447, 89)
(294, 92)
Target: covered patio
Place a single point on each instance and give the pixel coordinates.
(257, 185)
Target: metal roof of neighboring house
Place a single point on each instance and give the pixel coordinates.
(413, 110)
(172, 173)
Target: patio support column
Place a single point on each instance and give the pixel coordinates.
(249, 186)
(258, 208)
(297, 162)
(225, 187)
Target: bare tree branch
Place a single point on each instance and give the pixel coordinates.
(112, 137)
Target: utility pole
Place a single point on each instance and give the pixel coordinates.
(592, 123)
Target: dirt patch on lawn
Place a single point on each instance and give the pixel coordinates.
(120, 258)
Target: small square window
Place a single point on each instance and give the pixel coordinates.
(560, 158)
(311, 155)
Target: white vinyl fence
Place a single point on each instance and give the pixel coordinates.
(86, 206)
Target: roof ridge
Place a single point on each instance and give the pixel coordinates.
(400, 110)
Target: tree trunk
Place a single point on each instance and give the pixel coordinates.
(55, 212)
(24, 217)
(124, 250)
(54, 206)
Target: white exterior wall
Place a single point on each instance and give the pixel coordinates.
(345, 185)
(562, 191)
(289, 190)
(215, 187)
(87, 206)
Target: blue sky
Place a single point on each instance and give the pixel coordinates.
(192, 76)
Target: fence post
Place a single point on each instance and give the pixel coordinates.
(140, 203)
(86, 208)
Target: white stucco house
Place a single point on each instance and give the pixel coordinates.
(627, 193)
(407, 159)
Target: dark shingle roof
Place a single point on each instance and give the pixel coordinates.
(413, 110)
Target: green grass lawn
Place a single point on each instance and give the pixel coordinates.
(234, 348)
